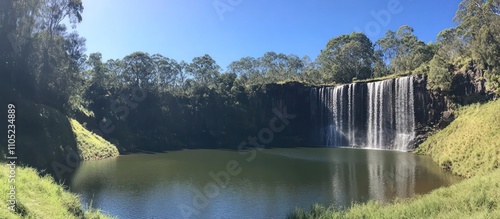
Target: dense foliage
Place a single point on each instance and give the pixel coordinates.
(347, 57)
(44, 61)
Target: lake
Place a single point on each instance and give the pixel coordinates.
(266, 183)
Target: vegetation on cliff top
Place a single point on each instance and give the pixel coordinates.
(40, 197)
(47, 64)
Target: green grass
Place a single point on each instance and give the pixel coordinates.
(40, 197)
(92, 146)
(478, 197)
(469, 147)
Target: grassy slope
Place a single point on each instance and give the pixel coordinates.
(40, 197)
(92, 146)
(469, 146)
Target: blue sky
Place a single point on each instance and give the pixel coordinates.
(184, 29)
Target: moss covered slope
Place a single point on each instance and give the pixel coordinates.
(92, 146)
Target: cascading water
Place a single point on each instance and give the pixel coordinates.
(377, 115)
(405, 113)
(334, 123)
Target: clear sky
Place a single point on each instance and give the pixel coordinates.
(184, 29)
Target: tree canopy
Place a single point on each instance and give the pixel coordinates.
(347, 57)
(44, 61)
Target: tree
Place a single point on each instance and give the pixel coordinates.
(225, 84)
(439, 77)
(347, 57)
(311, 73)
(166, 71)
(294, 66)
(276, 67)
(403, 51)
(53, 12)
(17, 25)
(248, 69)
(379, 67)
(37, 52)
(138, 69)
(388, 46)
(270, 68)
(205, 70)
(479, 23)
(451, 45)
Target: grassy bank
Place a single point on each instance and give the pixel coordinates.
(478, 197)
(39, 197)
(469, 147)
(91, 146)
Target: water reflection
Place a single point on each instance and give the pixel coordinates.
(272, 185)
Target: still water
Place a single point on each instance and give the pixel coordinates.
(268, 183)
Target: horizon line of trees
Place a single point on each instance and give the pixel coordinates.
(44, 60)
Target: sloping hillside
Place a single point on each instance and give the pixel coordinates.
(92, 146)
(470, 145)
(39, 197)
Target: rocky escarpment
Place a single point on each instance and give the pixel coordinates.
(211, 119)
(469, 86)
(430, 108)
(435, 109)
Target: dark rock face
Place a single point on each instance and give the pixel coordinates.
(469, 87)
(429, 108)
(261, 102)
(429, 105)
(433, 108)
(209, 120)
(470, 83)
(266, 105)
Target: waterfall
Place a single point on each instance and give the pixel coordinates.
(377, 115)
(405, 113)
(352, 114)
(380, 114)
(330, 111)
